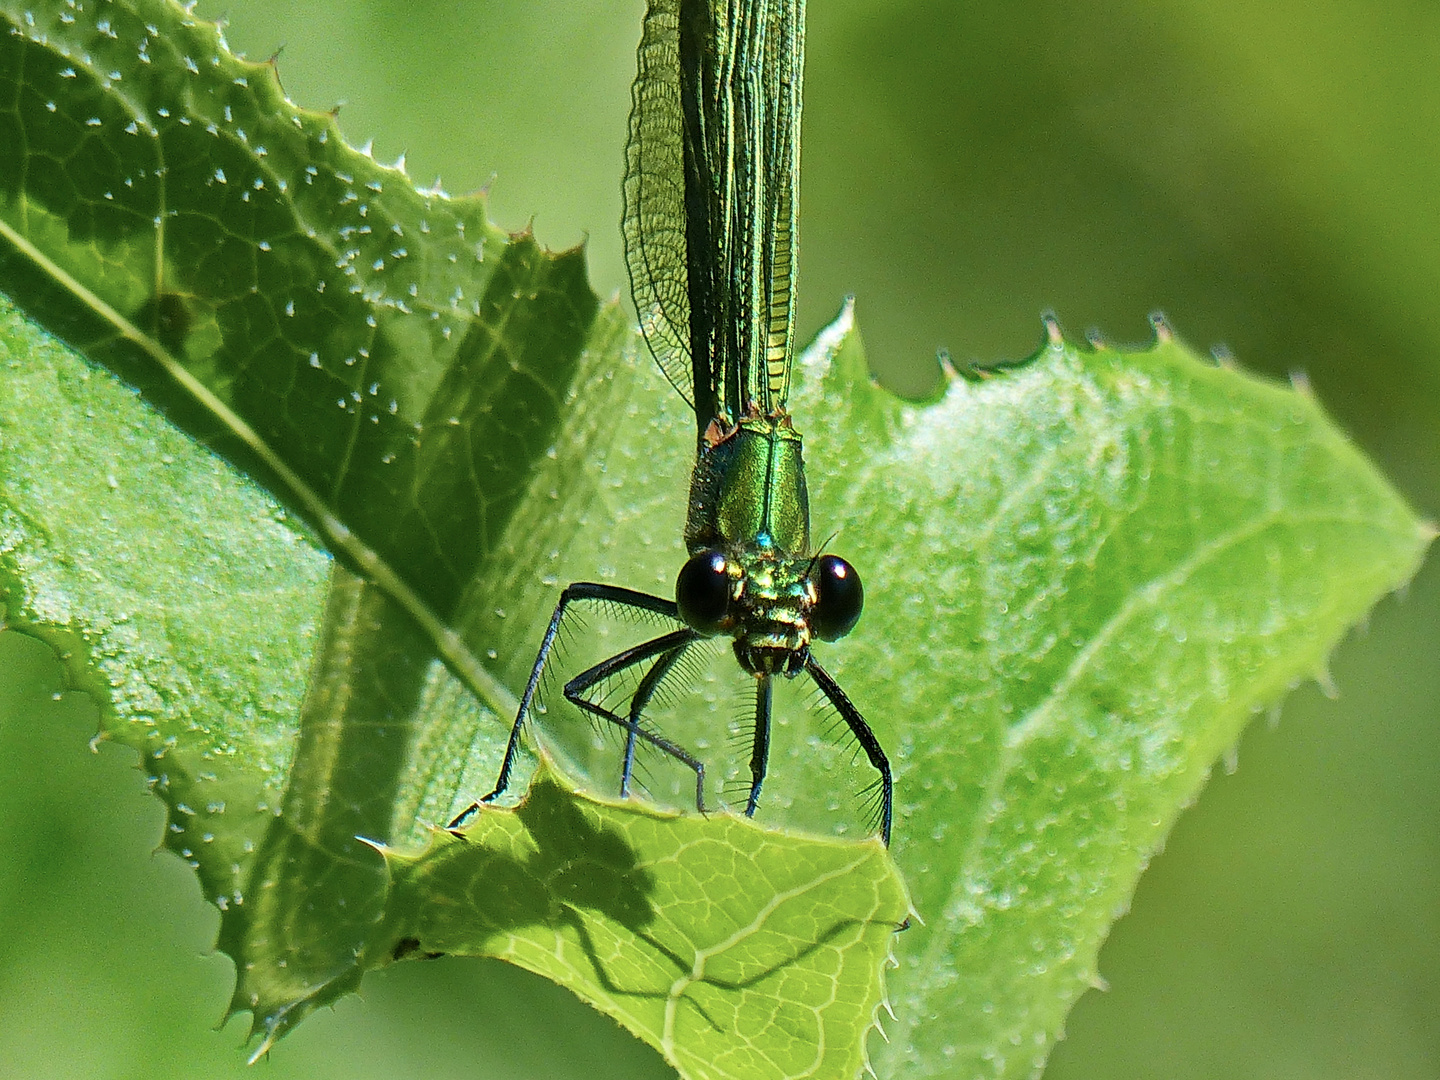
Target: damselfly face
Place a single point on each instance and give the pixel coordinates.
(772, 604)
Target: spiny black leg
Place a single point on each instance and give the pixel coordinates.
(863, 735)
(760, 751)
(676, 640)
(643, 694)
(581, 590)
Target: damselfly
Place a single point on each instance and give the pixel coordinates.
(711, 196)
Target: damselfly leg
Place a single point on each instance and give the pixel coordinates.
(579, 591)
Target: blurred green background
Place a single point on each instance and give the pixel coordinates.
(1266, 172)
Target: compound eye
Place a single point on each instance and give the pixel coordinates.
(702, 592)
(840, 600)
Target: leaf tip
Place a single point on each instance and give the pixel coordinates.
(946, 363)
(1272, 715)
(378, 846)
(820, 354)
(264, 1048)
(1223, 357)
(1164, 332)
(1054, 335)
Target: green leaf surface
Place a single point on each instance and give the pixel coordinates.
(778, 934)
(738, 951)
(1084, 574)
(387, 363)
(1108, 562)
(384, 359)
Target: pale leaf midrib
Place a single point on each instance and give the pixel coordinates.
(338, 537)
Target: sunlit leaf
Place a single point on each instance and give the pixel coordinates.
(736, 950)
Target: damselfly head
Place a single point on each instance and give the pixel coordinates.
(772, 604)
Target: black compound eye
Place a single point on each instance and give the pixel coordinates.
(841, 598)
(702, 592)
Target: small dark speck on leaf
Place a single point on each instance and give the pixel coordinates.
(167, 318)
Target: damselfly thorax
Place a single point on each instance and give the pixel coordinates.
(751, 573)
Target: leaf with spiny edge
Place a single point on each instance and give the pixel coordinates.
(1111, 560)
(388, 363)
(450, 349)
(741, 952)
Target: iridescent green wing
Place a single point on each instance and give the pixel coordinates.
(767, 259)
(711, 191)
(655, 219)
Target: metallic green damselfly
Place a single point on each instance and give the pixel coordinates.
(711, 195)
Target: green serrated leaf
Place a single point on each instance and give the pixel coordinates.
(184, 602)
(1084, 573)
(308, 312)
(1110, 561)
(739, 952)
(1017, 915)
(450, 355)
(317, 905)
(390, 365)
